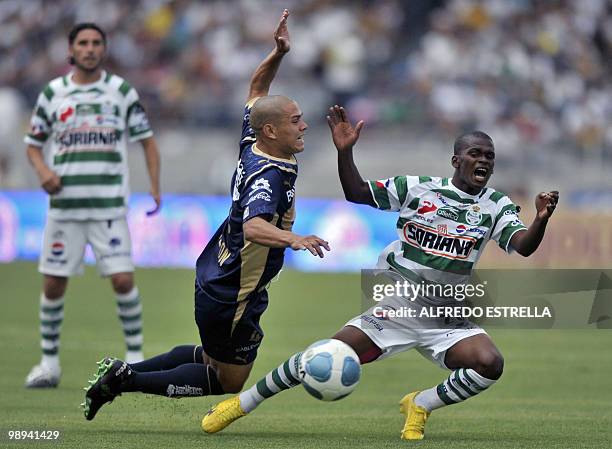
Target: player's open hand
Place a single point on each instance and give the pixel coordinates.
(50, 182)
(545, 203)
(311, 243)
(343, 132)
(281, 34)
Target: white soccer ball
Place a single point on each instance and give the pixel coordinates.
(329, 370)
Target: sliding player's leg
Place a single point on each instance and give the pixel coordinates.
(230, 335)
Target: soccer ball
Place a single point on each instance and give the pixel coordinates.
(329, 370)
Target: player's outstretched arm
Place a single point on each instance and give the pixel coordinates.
(526, 242)
(266, 71)
(258, 230)
(49, 180)
(151, 153)
(345, 136)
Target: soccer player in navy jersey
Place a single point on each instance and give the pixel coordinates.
(238, 263)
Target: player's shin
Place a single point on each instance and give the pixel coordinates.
(462, 384)
(189, 379)
(279, 379)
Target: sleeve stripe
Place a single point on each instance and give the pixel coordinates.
(251, 102)
(380, 196)
(124, 88)
(48, 92)
(401, 186)
(506, 246)
(372, 193)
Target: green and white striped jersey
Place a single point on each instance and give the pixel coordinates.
(442, 230)
(84, 129)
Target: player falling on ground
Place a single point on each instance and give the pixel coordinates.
(84, 120)
(240, 260)
(433, 213)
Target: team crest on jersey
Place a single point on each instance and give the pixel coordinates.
(434, 242)
(261, 184)
(473, 216)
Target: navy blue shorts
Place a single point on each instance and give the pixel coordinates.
(224, 340)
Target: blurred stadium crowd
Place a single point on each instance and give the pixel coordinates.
(530, 72)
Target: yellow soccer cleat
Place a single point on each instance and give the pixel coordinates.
(222, 415)
(416, 417)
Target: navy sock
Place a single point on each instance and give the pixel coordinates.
(176, 357)
(189, 379)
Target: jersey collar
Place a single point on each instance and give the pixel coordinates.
(258, 152)
(69, 82)
(463, 194)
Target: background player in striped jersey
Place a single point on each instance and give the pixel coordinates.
(239, 261)
(443, 226)
(83, 120)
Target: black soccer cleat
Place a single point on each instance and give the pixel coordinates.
(105, 386)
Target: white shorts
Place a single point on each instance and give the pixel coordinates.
(394, 335)
(64, 245)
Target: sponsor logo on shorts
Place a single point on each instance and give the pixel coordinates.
(117, 254)
(248, 347)
(370, 319)
(114, 242)
(57, 248)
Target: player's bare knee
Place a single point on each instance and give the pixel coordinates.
(54, 287)
(490, 364)
(122, 283)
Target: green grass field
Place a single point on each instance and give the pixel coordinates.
(554, 392)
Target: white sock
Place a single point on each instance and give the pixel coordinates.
(461, 385)
(279, 379)
(51, 317)
(129, 310)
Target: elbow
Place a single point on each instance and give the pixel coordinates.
(524, 252)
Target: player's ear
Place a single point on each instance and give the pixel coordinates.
(455, 161)
(269, 130)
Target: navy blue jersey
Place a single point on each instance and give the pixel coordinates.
(231, 268)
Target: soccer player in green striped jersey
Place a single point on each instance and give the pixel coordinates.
(83, 121)
(443, 226)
